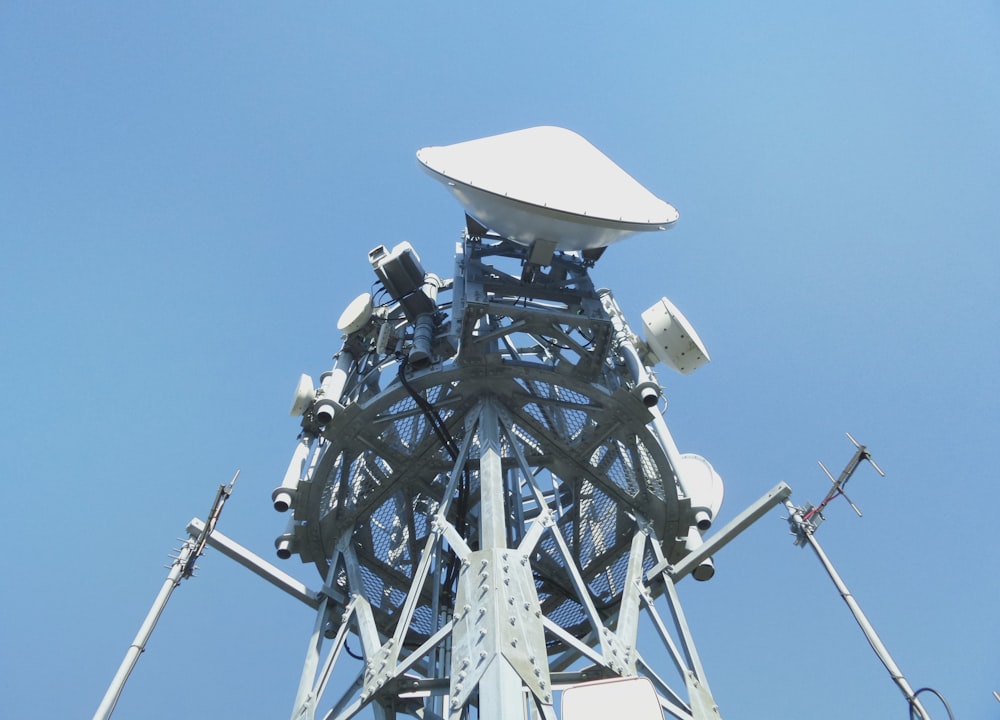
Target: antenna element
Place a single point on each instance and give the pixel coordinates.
(804, 522)
(183, 567)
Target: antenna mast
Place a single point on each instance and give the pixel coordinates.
(182, 567)
(805, 521)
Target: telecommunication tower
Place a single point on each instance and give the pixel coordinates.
(484, 479)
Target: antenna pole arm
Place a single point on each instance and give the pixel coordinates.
(138, 646)
(181, 569)
(804, 530)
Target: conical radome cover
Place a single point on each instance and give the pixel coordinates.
(546, 183)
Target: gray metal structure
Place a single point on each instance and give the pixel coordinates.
(487, 487)
(804, 522)
(182, 567)
(485, 481)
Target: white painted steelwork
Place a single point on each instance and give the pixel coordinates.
(486, 524)
(489, 490)
(485, 480)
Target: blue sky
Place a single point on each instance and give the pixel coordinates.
(188, 192)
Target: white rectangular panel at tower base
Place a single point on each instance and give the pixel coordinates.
(672, 338)
(632, 698)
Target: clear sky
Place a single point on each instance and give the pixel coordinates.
(188, 191)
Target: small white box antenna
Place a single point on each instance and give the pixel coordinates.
(673, 339)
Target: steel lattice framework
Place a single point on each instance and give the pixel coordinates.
(489, 494)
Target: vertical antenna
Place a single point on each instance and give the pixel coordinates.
(183, 567)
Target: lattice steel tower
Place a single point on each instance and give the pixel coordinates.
(484, 480)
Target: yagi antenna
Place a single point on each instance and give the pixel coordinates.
(814, 515)
(804, 521)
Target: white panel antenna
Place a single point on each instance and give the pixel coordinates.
(305, 391)
(673, 339)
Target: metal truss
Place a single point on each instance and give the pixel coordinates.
(490, 497)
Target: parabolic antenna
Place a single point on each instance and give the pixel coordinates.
(546, 183)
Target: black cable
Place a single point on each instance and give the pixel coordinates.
(441, 430)
(351, 652)
(436, 423)
(379, 294)
(590, 340)
(913, 706)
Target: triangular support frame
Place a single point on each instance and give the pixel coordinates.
(495, 648)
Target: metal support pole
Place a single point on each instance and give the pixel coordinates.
(260, 567)
(181, 568)
(804, 530)
(501, 693)
(493, 514)
(723, 537)
(306, 697)
(138, 645)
